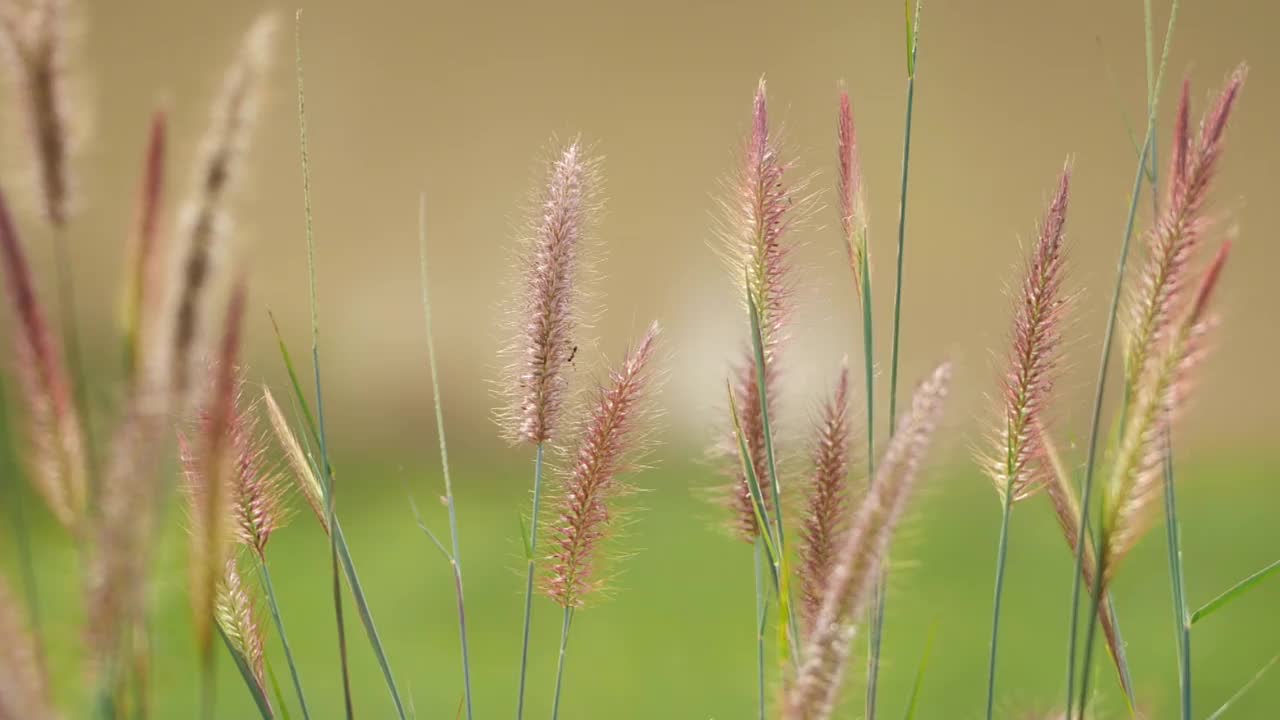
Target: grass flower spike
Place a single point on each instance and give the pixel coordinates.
(854, 221)
(237, 614)
(58, 456)
(814, 692)
(548, 308)
(827, 507)
(756, 218)
(300, 464)
(607, 442)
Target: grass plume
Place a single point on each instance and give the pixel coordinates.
(829, 495)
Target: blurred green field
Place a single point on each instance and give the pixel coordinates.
(674, 639)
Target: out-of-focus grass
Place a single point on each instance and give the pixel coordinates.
(675, 639)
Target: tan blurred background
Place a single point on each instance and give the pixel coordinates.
(461, 99)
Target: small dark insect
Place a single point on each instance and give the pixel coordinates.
(573, 354)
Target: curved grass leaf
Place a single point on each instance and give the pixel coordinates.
(1234, 592)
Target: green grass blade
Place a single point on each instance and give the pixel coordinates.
(564, 647)
(762, 610)
(366, 615)
(246, 674)
(276, 690)
(914, 701)
(1243, 690)
(1234, 592)
(753, 486)
(284, 638)
(292, 370)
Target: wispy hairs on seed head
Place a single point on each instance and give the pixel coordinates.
(55, 437)
(202, 240)
(37, 39)
(1159, 398)
(762, 204)
(302, 472)
(826, 514)
(854, 220)
(609, 442)
(815, 691)
(1172, 244)
(1014, 459)
(237, 614)
(547, 309)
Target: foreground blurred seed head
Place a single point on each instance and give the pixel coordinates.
(815, 691)
(547, 311)
(610, 438)
(24, 689)
(57, 454)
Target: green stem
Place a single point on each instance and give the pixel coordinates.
(21, 530)
(759, 627)
(528, 585)
(455, 557)
(1100, 392)
(71, 340)
(1001, 556)
(564, 645)
(1182, 619)
(284, 638)
(878, 603)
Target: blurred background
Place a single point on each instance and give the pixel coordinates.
(462, 102)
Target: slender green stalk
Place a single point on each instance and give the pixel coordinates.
(761, 604)
(18, 517)
(868, 362)
(276, 691)
(71, 340)
(1001, 556)
(455, 559)
(1100, 392)
(1182, 621)
(1246, 688)
(564, 645)
(284, 638)
(918, 683)
(528, 585)
(250, 682)
(326, 470)
(876, 636)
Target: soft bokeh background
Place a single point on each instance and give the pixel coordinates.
(460, 101)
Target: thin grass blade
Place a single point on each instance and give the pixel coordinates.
(1243, 690)
(1234, 593)
(246, 674)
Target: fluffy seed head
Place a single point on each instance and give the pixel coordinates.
(142, 273)
(827, 505)
(854, 222)
(815, 691)
(547, 309)
(56, 441)
(37, 41)
(203, 269)
(24, 689)
(762, 206)
(608, 440)
(1015, 459)
(236, 612)
(1161, 394)
(302, 474)
(1171, 245)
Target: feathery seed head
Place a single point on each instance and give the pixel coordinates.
(854, 222)
(814, 693)
(236, 612)
(829, 494)
(142, 278)
(1015, 459)
(24, 689)
(202, 249)
(1159, 398)
(37, 40)
(1176, 237)
(58, 453)
(300, 465)
(548, 310)
(609, 439)
(755, 219)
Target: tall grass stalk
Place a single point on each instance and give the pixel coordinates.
(278, 620)
(326, 473)
(876, 634)
(762, 605)
(242, 665)
(528, 585)
(564, 645)
(1002, 554)
(455, 557)
(1100, 389)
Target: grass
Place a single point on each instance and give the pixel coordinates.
(692, 657)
